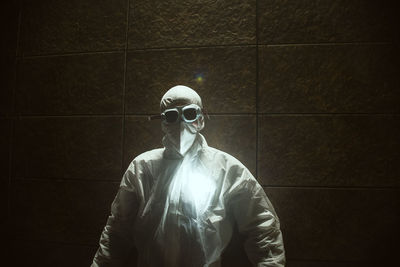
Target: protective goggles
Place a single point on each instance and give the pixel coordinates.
(188, 113)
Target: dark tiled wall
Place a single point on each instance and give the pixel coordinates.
(304, 93)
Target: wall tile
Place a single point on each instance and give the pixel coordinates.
(68, 147)
(5, 139)
(329, 150)
(4, 216)
(8, 86)
(62, 211)
(314, 21)
(72, 26)
(10, 15)
(10, 20)
(51, 254)
(224, 77)
(338, 78)
(141, 135)
(338, 225)
(4, 190)
(80, 84)
(235, 135)
(188, 23)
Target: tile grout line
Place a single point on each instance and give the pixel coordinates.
(132, 50)
(124, 87)
(34, 240)
(10, 176)
(257, 93)
(43, 116)
(17, 47)
(327, 114)
(13, 120)
(392, 188)
(99, 52)
(72, 180)
(259, 114)
(198, 47)
(326, 44)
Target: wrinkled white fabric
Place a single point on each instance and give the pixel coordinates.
(180, 211)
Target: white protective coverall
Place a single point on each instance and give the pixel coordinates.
(178, 208)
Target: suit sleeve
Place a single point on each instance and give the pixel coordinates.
(258, 222)
(116, 240)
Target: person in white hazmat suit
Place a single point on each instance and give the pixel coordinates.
(177, 205)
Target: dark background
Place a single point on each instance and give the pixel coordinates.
(305, 93)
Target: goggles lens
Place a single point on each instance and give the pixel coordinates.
(171, 116)
(188, 113)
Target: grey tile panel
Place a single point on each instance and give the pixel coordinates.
(338, 224)
(8, 88)
(191, 23)
(10, 20)
(329, 79)
(51, 27)
(68, 148)
(4, 216)
(72, 212)
(329, 150)
(6, 125)
(47, 254)
(74, 84)
(324, 21)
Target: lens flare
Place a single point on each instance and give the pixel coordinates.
(199, 77)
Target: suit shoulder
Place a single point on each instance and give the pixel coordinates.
(151, 155)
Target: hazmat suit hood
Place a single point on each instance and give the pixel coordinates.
(180, 136)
